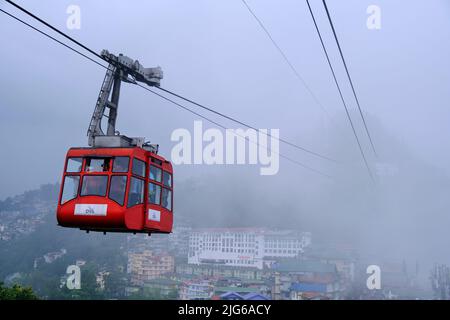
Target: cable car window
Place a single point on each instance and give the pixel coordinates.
(167, 179)
(155, 173)
(97, 164)
(74, 164)
(117, 189)
(167, 199)
(157, 161)
(121, 164)
(70, 188)
(154, 193)
(138, 167)
(136, 194)
(94, 186)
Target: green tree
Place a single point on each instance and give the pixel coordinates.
(16, 292)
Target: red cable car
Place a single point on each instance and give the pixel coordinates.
(119, 184)
(116, 189)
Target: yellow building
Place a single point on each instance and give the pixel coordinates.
(146, 265)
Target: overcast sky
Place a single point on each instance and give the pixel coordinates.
(214, 52)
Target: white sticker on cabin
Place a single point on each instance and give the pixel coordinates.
(154, 215)
(91, 209)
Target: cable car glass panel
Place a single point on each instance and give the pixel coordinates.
(121, 164)
(167, 199)
(167, 179)
(117, 189)
(74, 164)
(97, 164)
(136, 194)
(70, 188)
(94, 185)
(138, 167)
(157, 161)
(155, 173)
(154, 194)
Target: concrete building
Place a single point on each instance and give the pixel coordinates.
(310, 291)
(164, 286)
(145, 265)
(298, 279)
(244, 247)
(219, 271)
(196, 290)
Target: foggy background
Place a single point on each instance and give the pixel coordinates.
(214, 52)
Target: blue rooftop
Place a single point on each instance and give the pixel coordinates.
(255, 296)
(231, 296)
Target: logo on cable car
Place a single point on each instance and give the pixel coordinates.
(154, 215)
(91, 209)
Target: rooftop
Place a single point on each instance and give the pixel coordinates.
(236, 289)
(298, 265)
(309, 287)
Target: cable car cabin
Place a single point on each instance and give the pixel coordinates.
(116, 190)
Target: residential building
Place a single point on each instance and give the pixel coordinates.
(196, 290)
(220, 271)
(310, 291)
(294, 277)
(146, 265)
(344, 257)
(164, 286)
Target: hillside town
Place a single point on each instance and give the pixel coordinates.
(224, 263)
(255, 264)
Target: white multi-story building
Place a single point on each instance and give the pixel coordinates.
(244, 247)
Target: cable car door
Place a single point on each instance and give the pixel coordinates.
(153, 214)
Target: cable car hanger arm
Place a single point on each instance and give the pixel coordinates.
(119, 69)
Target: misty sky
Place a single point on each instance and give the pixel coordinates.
(215, 53)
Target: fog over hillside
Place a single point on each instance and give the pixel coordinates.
(403, 213)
